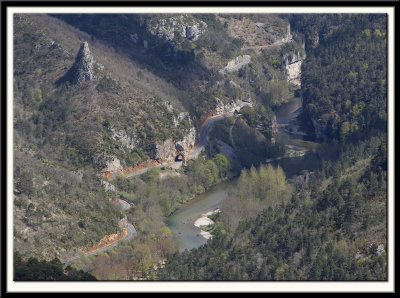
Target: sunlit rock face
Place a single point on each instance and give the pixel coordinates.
(293, 68)
(171, 29)
(183, 25)
(230, 107)
(168, 150)
(236, 64)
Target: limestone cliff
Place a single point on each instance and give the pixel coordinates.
(293, 63)
(82, 70)
(230, 107)
(168, 150)
(122, 137)
(171, 29)
(183, 25)
(113, 165)
(236, 64)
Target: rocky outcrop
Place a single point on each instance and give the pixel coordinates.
(193, 32)
(293, 67)
(312, 40)
(165, 151)
(371, 249)
(181, 116)
(113, 165)
(107, 186)
(231, 107)
(168, 150)
(123, 222)
(294, 73)
(83, 67)
(188, 142)
(236, 64)
(289, 36)
(185, 26)
(122, 137)
(172, 28)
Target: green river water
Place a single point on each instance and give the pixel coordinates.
(181, 222)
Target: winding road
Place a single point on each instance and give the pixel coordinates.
(131, 233)
(203, 140)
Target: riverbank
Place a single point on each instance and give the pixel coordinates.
(186, 221)
(205, 221)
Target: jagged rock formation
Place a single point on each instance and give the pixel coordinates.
(181, 116)
(372, 250)
(236, 64)
(184, 26)
(289, 36)
(122, 137)
(230, 107)
(168, 150)
(113, 165)
(293, 63)
(188, 142)
(107, 186)
(83, 67)
(165, 151)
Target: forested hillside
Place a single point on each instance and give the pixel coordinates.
(90, 101)
(344, 83)
(289, 110)
(333, 227)
(66, 133)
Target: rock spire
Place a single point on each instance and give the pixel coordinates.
(83, 67)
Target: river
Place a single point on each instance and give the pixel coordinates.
(181, 222)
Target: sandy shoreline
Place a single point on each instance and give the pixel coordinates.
(205, 221)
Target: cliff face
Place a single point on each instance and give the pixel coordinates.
(230, 107)
(165, 150)
(168, 150)
(188, 142)
(122, 137)
(236, 64)
(113, 165)
(83, 67)
(183, 25)
(293, 67)
(175, 27)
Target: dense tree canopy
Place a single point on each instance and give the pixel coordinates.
(344, 82)
(322, 233)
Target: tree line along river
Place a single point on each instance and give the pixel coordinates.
(181, 222)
